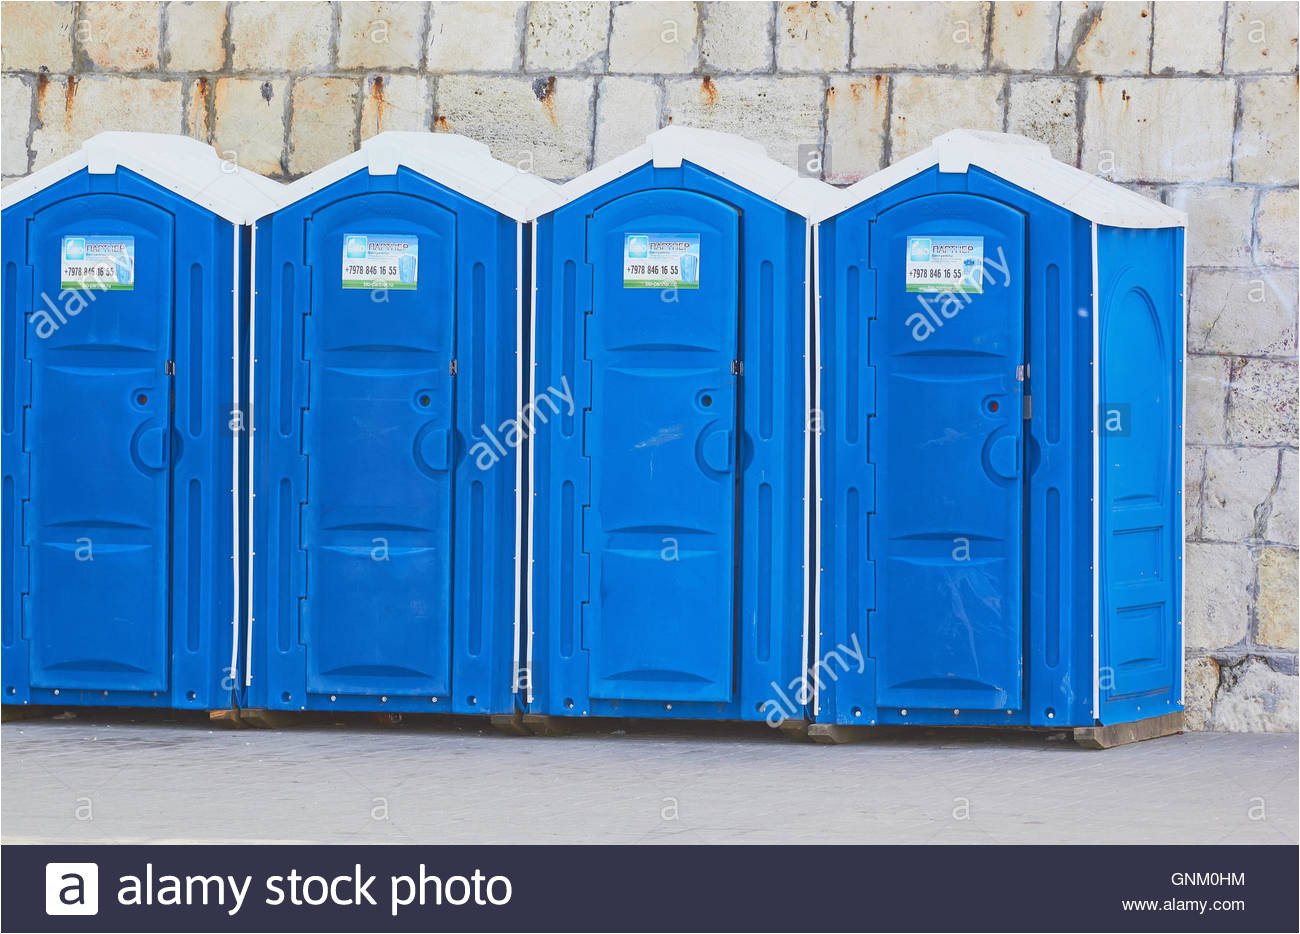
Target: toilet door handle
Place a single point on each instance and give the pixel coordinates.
(150, 447)
(435, 448)
(715, 449)
(1004, 456)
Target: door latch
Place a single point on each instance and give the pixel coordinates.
(737, 367)
(170, 368)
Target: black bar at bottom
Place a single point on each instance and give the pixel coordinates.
(730, 888)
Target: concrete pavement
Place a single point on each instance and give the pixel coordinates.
(133, 777)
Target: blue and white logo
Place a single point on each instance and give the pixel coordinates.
(406, 268)
(357, 247)
(690, 263)
(638, 247)
(74, 247)
(918, 249)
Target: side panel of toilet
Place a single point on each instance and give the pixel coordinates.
(668, 505)
(384, 527)
(1140, 353)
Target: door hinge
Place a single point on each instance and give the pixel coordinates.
(171, 368)
(452, 369)
(1029, 407)
(1022, 372)
(737, 367)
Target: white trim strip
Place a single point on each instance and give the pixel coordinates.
(1096, 482)
(1182, 484)
(519, 461)
(234, 466)
(815, 441)
(532, 453)
(249, 427)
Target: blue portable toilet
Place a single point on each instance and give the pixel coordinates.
(669, 533)
(1001, 342)
(124, 307)
(388, 323)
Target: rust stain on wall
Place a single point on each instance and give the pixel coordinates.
(544, 89)
(200, 116)
(377, 95)
(800, 19)
(1087, 36)
(708, 90)
(70, 94)
(857, 89)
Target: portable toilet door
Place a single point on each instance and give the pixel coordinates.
(669, 526)
(124, 303)
(1001, 337)
(388, 322)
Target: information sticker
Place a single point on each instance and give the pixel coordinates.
(380, 261)
(661, 261)
(97, 263)
(945, 264)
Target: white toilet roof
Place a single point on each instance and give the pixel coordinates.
(464, 165)
(188, 167)
(1026, 164)
(734, 158)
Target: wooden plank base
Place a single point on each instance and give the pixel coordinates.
(262, 719)
(795, 730)
(27, 712)
(227, 718)
(511, 724)
(835, 734)
(540, 724)
(1120, 734)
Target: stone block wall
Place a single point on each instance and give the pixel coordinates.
(1191, 103)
